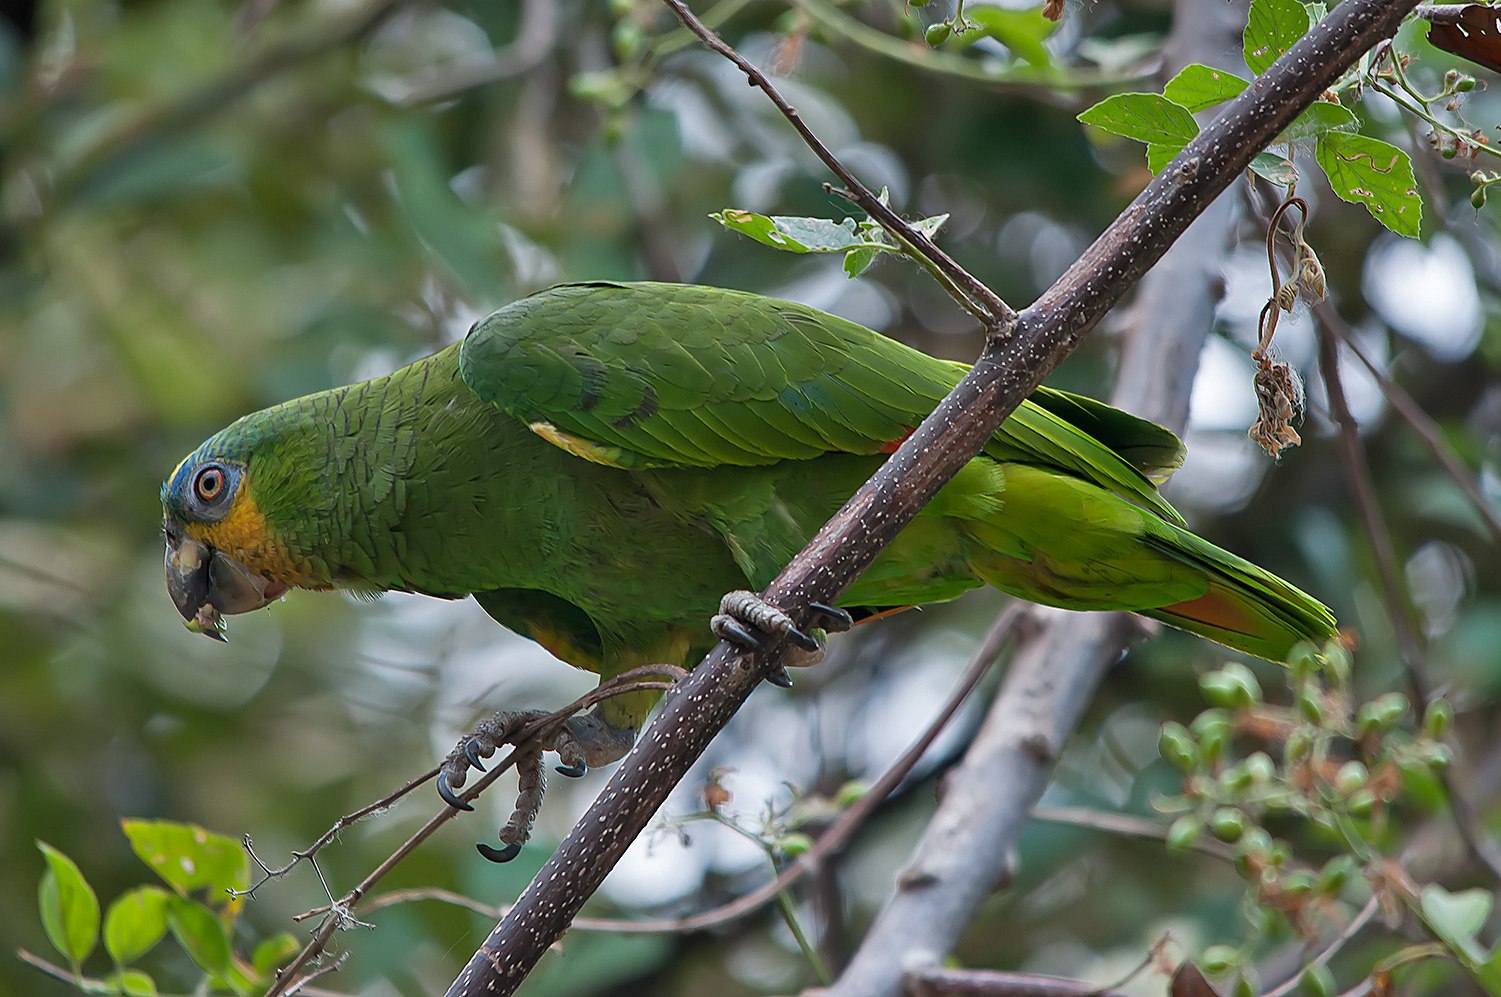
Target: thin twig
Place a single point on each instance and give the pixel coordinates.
(1338, 942)
(1126, 825)
(1412, 413)
(945, 982)
(984, 303)
(619, 685)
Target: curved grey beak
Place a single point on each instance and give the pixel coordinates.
(205, 584)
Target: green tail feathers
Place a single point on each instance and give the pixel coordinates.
(1246, 607)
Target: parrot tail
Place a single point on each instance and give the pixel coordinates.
(1246, 607)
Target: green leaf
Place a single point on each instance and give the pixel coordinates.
(1021, 31)
(1374, 173)
(132, 983)
(1145, 117)
(1198, 86)
(70, 911)
(189, 857)
(1320, 118)
(794, 234)
(135, 922)
(273, 952)
(1274, 169)
(1159, 154)
(1455, 917)
(202, 934)
(857, 261)
(1272, 28)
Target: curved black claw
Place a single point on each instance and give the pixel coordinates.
(449, 796)
(779, 677)
(498, 855)
(803, 640)
(472, 752)
(732, 630)
(836, 620)
(573, 771)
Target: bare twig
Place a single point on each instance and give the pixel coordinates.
(1358, 470)
(1010, 368)
(1359, 921)
(1412, 413)
(1126, 825)
(939, 982)
(625, 682)
(984, 303)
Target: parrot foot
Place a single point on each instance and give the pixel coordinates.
(580, 742)
(750, 621)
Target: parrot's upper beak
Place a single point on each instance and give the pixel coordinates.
(205, 583)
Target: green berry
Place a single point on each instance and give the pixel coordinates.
(1177, 746)
(1228, 824)
(1317, 982)
(1438, 718)
(794, 844)
(1183, 832)
(1351, 778)
(1219, 959)
(938, 33)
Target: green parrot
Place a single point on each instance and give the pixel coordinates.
(598, 464)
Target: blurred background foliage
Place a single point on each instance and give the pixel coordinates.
(209, 207)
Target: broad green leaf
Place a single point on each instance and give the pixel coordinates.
(1159, 154)
(1198, 86)
(188, 857)
(1320, 118)
(1021, 31)
(135, 922)
(794, 234)
(202, 934)
(1271, 29)
(1145, 117)
(132, 983)
(1274, 169)
(1455, 917)
(70, 910)
(273, 952)
(1374, 173)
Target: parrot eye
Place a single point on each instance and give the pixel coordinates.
(209, 484)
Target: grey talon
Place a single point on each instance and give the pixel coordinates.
(779, 677)
(473, 754)
(836, 620)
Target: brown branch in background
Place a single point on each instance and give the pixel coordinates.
(1358, 470)
(1002, 377)
(938, 982)
(200, 105)
(1412, 413)
(1357, 923)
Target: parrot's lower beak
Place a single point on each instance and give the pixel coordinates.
(205, 584)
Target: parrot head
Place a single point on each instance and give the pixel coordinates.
(222, 556)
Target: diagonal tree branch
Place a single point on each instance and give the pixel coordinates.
(1016, 359)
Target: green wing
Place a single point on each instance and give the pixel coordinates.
(666, 375)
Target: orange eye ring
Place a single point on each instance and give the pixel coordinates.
(209, 484)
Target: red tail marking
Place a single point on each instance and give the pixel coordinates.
(891, 445)
(1216, 610)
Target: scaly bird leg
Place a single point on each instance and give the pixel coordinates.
(750, 621)
(580, 742)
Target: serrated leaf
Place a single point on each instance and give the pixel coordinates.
(1368, 171)
(1455, 917)
(1145, 117)
(795, 234)
(1271, 29)
(1198, 86)
(201, 934)
(131, 983)
(1159, 154)
(70, 910)
(189, 857)
(135, 922)
(1274, 169)
(1320, 118)
(1021, 31)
